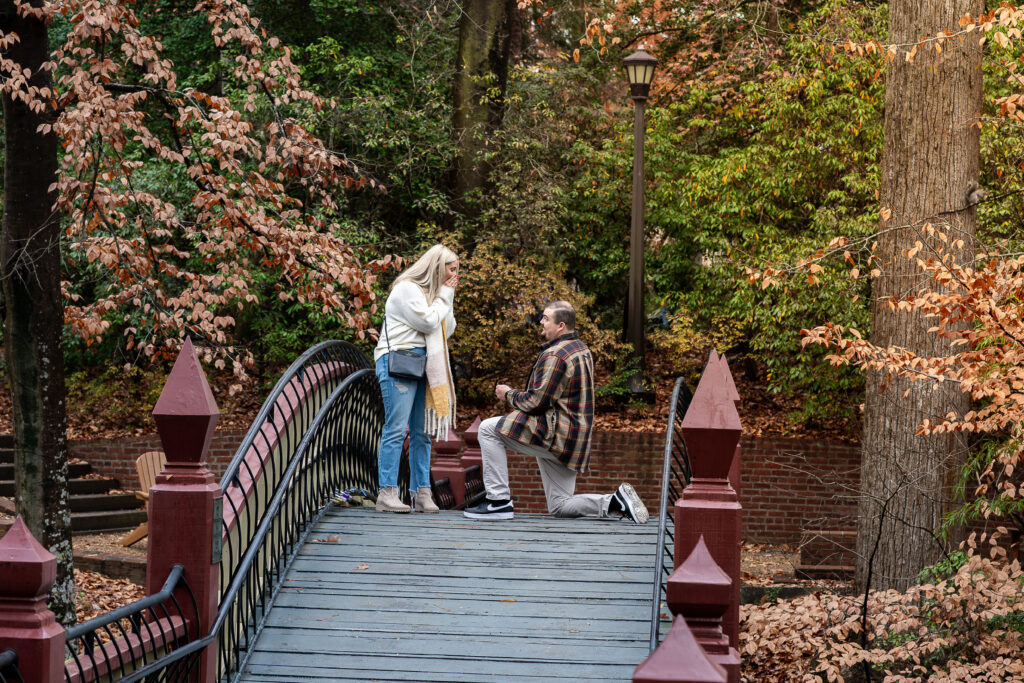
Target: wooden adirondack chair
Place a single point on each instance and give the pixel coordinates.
(148, 465)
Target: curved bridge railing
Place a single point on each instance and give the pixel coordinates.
(675, 474)
(127, 643)
(317, 433)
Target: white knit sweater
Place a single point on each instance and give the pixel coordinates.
(409, 317)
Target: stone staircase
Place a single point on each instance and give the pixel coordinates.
(96, 504)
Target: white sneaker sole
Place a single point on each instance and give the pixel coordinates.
(637, 509)
(496, 516)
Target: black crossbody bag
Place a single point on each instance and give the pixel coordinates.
(404, 364)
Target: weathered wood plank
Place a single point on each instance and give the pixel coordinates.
(443, 598)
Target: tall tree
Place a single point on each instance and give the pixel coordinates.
(176, 203)
(929, 170)
(30, 277)
(490, 34)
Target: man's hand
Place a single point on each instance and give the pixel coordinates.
(501, 390)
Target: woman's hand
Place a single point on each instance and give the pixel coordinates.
(452, 282)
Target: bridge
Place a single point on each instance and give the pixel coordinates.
(261, 577)
(443, 598)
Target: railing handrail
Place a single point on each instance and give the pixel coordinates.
(275, 504)
(150, 603)
(139, 605)
(231, 472)
(680, 393)
(9, 663)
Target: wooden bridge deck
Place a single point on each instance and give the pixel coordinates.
(444, 598)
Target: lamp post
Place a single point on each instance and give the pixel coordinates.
(640, 72)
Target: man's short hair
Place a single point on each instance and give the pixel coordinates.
(563, 312)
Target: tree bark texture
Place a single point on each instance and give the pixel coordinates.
(30, 274)
(929, 161)
(490, 34)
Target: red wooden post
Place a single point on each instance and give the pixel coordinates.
(446, 464)
(700, 591)
(185, 502)
(472, 455)
(709, 505)
(679, 659)
(27, 572)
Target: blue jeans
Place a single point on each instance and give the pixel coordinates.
(404, 404)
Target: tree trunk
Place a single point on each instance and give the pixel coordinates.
(929, 163)
(489, 35)
(30, 273)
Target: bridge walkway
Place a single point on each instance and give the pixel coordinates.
(440, 597)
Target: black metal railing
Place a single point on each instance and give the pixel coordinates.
(9, 667)
(675, 475)
(338, 451)
(474, 485)
(257, 469)
(127, 643)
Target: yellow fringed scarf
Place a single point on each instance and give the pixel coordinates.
(440, 403)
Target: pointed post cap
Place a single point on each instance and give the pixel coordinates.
(711, 426)
(699, 588)
(472, 434)
(448, 446)
(733, 391)
(679, 659)
(186, 413)
(27, 569)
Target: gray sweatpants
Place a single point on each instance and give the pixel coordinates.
(559, 481)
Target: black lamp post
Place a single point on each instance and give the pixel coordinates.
(640, 72)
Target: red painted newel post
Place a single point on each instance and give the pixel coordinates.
(700, 592)
(472, 455)
(185, 502)
(679, 659)
(709, 506)
(446, 464)
(27, 572)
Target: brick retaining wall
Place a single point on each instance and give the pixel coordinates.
(115, 458)
(788, 485)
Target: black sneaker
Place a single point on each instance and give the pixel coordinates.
(490, 509)
(630, 504)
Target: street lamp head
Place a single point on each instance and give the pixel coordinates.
(640, 72)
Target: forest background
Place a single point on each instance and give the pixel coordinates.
(204, 191)
(763, 138)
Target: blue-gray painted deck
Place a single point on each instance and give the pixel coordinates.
(442, 598)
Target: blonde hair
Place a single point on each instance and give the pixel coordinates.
(428, 271)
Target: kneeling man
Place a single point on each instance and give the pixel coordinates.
(552, 420)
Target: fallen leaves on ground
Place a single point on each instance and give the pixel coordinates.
(96, 594)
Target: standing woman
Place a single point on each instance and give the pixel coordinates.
(418, 317)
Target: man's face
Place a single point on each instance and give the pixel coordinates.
(549, 329)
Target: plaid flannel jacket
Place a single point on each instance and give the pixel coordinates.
(556, 411)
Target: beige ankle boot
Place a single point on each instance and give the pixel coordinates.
(423, 501)
(388, 501)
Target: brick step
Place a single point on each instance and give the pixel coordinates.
(78, 469)
(7, 456)
(107, 520)
(97, 502)
(825, 571)
(7, 441)
(828, 547)
(76, 487)
(90, 502)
